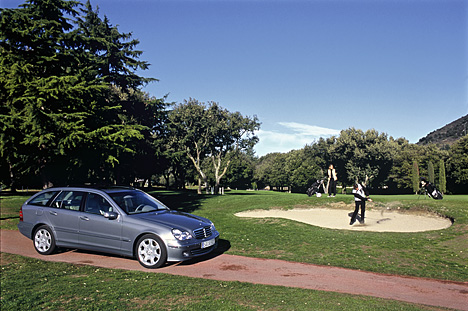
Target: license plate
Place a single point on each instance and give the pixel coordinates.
(208, 243)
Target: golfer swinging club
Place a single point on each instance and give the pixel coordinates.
(360, 201)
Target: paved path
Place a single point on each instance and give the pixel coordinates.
(273, 272)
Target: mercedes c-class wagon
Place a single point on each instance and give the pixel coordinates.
(122, 221)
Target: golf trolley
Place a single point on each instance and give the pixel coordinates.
(315, 188)
(430, 190)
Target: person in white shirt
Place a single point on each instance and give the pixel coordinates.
(360, 202)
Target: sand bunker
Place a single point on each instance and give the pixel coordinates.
(376, 220)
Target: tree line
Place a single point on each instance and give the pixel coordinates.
(73, 112)
(388, 165)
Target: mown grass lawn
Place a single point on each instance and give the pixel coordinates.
(441, 254)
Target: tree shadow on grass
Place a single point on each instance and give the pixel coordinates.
(11, 217)
(21, 193)
(180, 200)
(223, 246)
(187, 200)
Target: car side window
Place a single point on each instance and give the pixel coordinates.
(96, 204)
(70, 200)
(43, 199)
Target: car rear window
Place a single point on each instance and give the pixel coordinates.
(69, 200)
(43, 198)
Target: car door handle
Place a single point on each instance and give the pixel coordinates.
(84, 218)
(53, 213)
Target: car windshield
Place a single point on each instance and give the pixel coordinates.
(135, 202)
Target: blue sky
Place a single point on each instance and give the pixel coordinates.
(307, 68)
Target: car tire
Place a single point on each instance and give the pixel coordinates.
(44, 240)
(151, 251)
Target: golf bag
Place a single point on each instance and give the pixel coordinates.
(433, 192)
(314, 189)
(365, 189)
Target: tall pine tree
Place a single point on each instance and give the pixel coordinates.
(430, 172)
(61, 118)
(442, 178)
(415, 176)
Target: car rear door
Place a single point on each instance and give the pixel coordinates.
(63, 216)
(95, 229)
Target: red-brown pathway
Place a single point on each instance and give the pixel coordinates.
(273, 272)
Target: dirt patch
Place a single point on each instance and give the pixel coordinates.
(233, 267)
(6, 259)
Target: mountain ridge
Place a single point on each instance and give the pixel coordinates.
(447, 135)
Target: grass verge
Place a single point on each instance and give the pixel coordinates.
(30, 284)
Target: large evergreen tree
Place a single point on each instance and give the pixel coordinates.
(61, 118)
(38, 83)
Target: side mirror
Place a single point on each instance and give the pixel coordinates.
(111, 215)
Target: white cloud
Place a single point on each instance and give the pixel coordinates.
(310, 130)
(294, 136)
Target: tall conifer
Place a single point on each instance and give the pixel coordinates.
(61, 119)
(415, 176)
(442, 178)
(430, 172)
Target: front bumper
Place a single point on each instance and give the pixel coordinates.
(181, 252)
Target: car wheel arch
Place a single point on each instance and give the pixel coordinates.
(137, 238)
(39, 225)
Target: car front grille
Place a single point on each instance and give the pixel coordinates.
(202, 232)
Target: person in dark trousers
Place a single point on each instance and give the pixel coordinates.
(360, 199)
(332, 178)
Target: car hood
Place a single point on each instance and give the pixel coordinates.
(174, 219)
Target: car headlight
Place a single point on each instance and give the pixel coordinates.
(181, 235)
(213, 229)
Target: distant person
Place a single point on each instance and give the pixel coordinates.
(360, 202)
(332, 178)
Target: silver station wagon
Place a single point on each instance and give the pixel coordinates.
(122, 221)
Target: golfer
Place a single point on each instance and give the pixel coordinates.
(360, 202)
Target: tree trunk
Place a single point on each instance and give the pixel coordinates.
(12, 178)
(217, 167)
(199, 186)
(202, 175)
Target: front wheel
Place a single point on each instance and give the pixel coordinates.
(151, 251)
(44, 240)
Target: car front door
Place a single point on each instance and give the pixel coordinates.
(95, 229)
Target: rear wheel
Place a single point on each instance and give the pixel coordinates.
(151, 251)
(44, 240)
